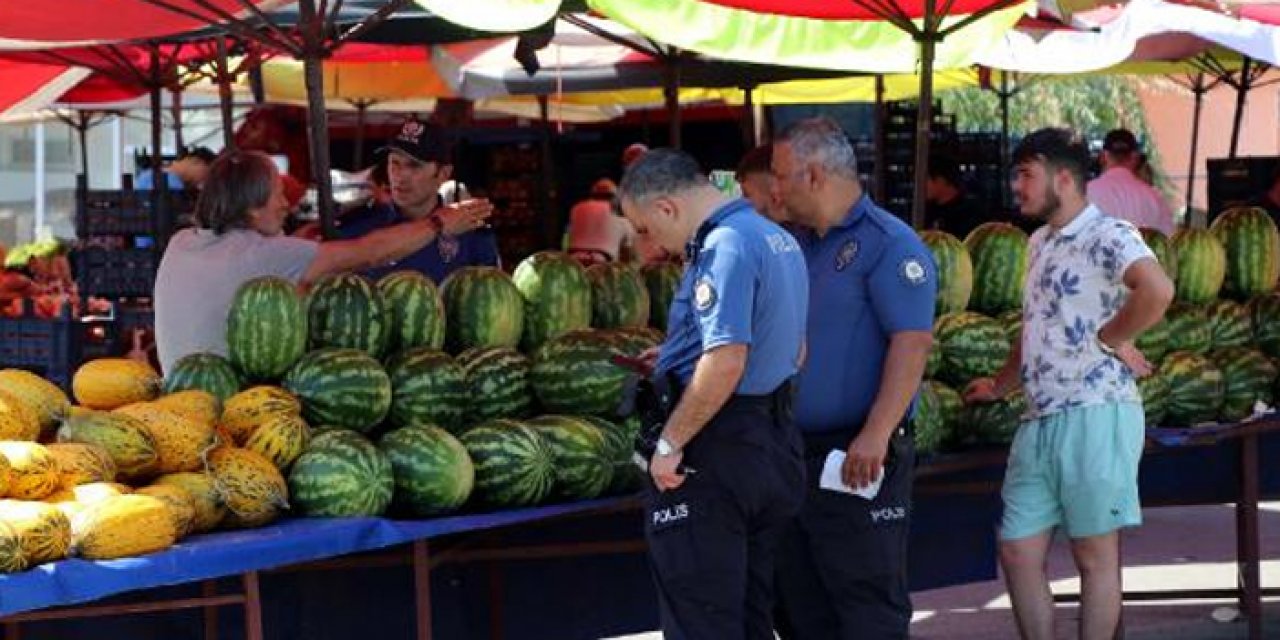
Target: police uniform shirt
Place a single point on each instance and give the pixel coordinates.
(869, 277)
(744, 283)
(436, 260)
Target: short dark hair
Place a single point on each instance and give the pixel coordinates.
(661, 172)
(1121, 143)
(1057, 148)
(757, 160)
(945, 167)
(201, 153)
(238, 182)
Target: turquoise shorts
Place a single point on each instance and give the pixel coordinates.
(1076, 469)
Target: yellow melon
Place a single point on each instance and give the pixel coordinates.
(209, 508)
(193, 404)
(33, 470)
(45, 531)
(243, 412)
(180, 442)
(108, 383)
(252, 488)
(80, 463)
(129, 525)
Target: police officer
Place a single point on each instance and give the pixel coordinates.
(842, 563)
(727, 473)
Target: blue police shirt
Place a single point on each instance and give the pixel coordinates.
(145, 181)
(436, 260)
(744, 284)
(869, 277)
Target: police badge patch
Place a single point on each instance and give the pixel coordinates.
(846, 255)
(704, 294)
(448, 247)
(913, 271)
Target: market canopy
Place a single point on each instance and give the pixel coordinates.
(36, 25)
(30, 87)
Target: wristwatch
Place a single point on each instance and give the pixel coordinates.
(665, 448)
(1102, 344)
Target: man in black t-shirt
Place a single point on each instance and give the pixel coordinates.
(950, 208)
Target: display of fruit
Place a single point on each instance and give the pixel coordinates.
(107, 383)
(514, 465)
(341, 387)
(1162, 246)
(427, 387)
(580, 454)
(1252, 247)
(575, 373)
(999, 254)
(341, 475)
(661, 279)
(266, 329)
(497, 380)
(955, 271)
(972, 346)
(204, 372)
(619, 297)
(1196, 388)
(243, 412)
(484, 309)
(557, 297)
(1202, 265)
(49, 402)
(417, 311)
(346, 311)
(432, 470)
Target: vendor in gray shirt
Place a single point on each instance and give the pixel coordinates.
(238, 237)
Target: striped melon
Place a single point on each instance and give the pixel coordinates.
(575, 374)
(1202, 265)
(1230, 324)
(181, 506)
(1154, 342)
(1189, 328)
(33, 471)
(121, 527)
(341, 387)
(1155, 398)
(433, 472)
(618, 296)
(80, 463)
(243, 412)
(1196, 388)
(620, 438)
(1162, 247)
(91, 493)
(513, 464)
(6, 476)
(180, 443)
(280, 439)
(346, 311)
(417, 311)
(108, 383)
(955, 271)
(342, 476)
(266, 328)
(484, 309)
(12, 560)
(50, 403)
(972, 346)
(497, 381)
(557, 296)
(1252, 245)
(661, 279)
(18, 420)
(205, 372)
(999, 254)
(1248, 376)
(44, 530)
(250, 486)
(579, 453)
(205, 499)
(427, 387)
(193, 404)
(1266, 323)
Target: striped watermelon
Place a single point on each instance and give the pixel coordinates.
(991, 423)
(497, 382)
(1012, 323)
(346, 311)
(955, 271)
(574, 374)
(1247, 376)
(1230, 324)
(1162, 246)
(205, 372)
(661, 279)
(999, 254)
(620, 438)
(484, 309)
(1266, 323)
(557, 296)
(1252, 246)
(1196, 388)
(635, 340)
(1155, 398)
(266, 328)
(341, 387)
(1154, 342)
(341, 476)
(951, 406)
(618, 296)
(580, 453)
(930, 421)
(934, 364)
(1202, 265)
(1189, 328)
(417, 311)
(513, 464)
(433, 472)
(973, 346)
(427, 387)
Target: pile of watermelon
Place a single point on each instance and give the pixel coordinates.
(489, 391)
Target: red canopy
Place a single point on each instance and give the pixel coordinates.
(28, 87)
(1264, 13)
(829, 10)
(25, 24)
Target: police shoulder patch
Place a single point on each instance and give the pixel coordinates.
(844, 257)
(704, 294)
(913, 271)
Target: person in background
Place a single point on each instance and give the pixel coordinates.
(1092, 287)
(186, 173)
(950, 207)
(596, 232)
(632, 153)
(419, 162)
(1120, 193)
(239, 236)
(755, 177)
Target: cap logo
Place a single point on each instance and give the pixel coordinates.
(411, 132)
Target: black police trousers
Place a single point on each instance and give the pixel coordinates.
(711, 541)
(842, 563)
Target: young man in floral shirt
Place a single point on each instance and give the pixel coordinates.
(1092, 286)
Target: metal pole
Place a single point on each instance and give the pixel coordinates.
(157, 127)
(176, 106)
(1198, 89)
(1004, 138)
(223, 68)
(882, 155)
(117, 152)
(748, 118)
(312, 28)
(1242, 90)
(82, 131)
(551, 212)
(358, 155)
(924, 116)
(40, 185)
(671, 92)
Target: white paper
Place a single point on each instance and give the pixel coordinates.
(832, 481)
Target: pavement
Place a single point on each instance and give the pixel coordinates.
(1176, 548)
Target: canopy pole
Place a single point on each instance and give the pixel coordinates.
(748, 118)
(671, 92)
(358, 153)
(1005, 95)
(881, 156)
(317, 118)
(224, 95)
(1242, 90)
(550, 205)
(176, 106)
(82, 131)
(117, 151)
(40, 181)
(159, 182)
(924, 116)
(1198, 89)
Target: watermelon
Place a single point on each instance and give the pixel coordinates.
(661, 279)
(618, 296)
(973, 346)
(1155, 398)
(934, 364)
(1154, 342)
(497, 382)
(580, 453)
(266, 328)
(1202, 265)
(1195, 388)
(346, 311)
(951, 406)
(1189, 328)
(204, 372)
(557, 297)
(634, 341)
(341, 476)
(484, 309)
(620, 438)
(574, 374)
(341, 387)
(999, 254)
(513, 464)
(955, 271)
(427, 387)
(991, 423)
(433, 472)
(1012, 323)
(930, 421)
(1230, 324)
(1252, 245)
(417, 311)
(1266, 323)
(1247, 376)
(1162, 246)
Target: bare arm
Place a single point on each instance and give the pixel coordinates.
(714, 380)
(1150, 293)
(904, 366)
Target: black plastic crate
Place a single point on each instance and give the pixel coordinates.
(44, 346)
(116, 273)
(126, 212)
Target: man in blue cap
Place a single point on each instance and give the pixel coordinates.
(418, 163)
(842, 570)
(727, 471)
